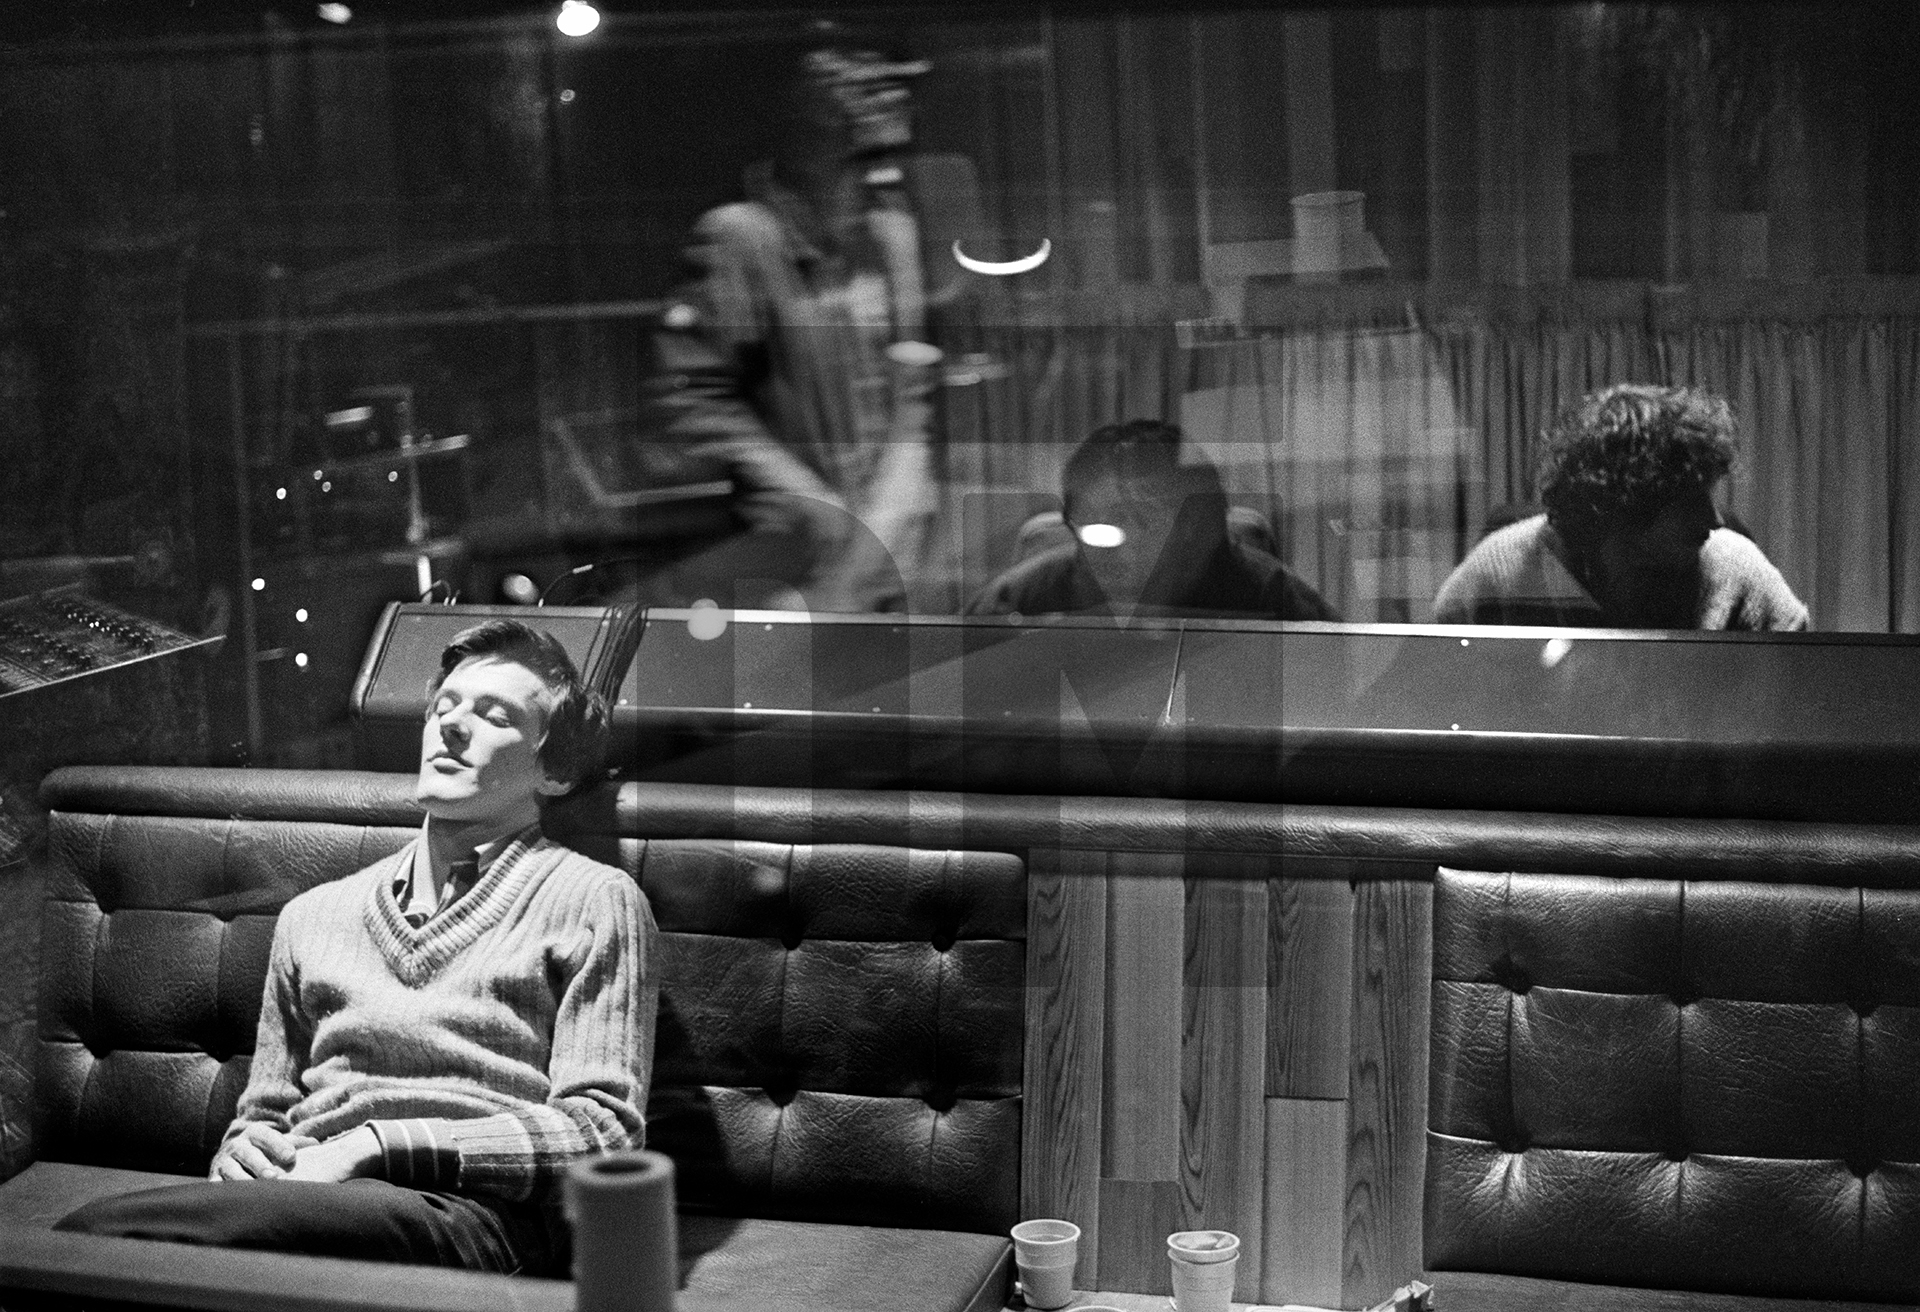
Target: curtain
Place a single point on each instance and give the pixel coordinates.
(1352, 444)
(1380, 451)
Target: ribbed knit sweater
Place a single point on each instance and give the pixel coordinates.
(507, 1036)
(1515, 576)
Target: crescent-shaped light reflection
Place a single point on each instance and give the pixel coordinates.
(1004, 268)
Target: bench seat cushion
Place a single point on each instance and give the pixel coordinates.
(1473, 1291)
(725, 1263)
(729, 1263)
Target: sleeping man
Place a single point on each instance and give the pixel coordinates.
(443, 1032)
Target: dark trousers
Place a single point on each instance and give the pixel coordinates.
(367, 1219)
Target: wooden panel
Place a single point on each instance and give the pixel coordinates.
(1306, 1188)
(1309, 987)
(1223, 1056)
(1066, 957)
(1520, 82)
(1309, 82)
(1140, 1137)
(1136, 1216)
(1083, 59)
(1452, 129)
(1387, 1082)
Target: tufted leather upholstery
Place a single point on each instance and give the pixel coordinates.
(839, 1031)
(1689, 1085)
(154, 947)
(841, 1026)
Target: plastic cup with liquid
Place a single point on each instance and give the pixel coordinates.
(1204, 1263)
(1045, 1251)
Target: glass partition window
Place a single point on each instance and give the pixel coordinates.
(1590, 314)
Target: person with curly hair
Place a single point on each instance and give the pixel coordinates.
(1631, 536)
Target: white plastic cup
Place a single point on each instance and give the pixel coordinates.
(1204, 1263)
(1045, 1251)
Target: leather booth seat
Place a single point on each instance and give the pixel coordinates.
(1677, 1085)
(838, 1060)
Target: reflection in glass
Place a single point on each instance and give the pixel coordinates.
(1630, 536)
(468, 307)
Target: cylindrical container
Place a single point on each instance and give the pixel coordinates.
(1204, 1263)
(625, 1245)
(1045, 1252)
(1328, 228)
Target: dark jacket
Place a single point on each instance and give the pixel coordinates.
(1239, 582)
(781, 332)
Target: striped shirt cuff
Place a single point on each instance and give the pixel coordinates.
(417, 1153)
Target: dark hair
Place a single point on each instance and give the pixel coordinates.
(1627, 451)
(575, 741)
(1140, 451)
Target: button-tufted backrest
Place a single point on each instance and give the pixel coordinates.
(840, 1032)
(153, 953)
(1690, 1085)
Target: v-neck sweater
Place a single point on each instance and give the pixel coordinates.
(505, 1037)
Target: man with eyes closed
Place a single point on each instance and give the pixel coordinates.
(445, 1031)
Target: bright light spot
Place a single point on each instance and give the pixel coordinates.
(279, 494)
(566, 96)
(1004, 268)
(316, 476)
(707, 622)
(327, 486)
(393, 476)
(520, 590)
(1554, 652)
(1102, 535)
(576, 18)
(300, 616)
(919, 355)
(259, 585)
(300, 659)
(334, 13)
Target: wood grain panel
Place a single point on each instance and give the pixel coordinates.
(1223, 1055)
(1306, 1190)
(1146, 900)
(1387, 1083)
(1083, 58)
(1136, 1216)
(1066, 959)
(1309, 987)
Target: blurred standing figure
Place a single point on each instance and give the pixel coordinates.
(1150, 537)
(796, 361)
(1631, 537)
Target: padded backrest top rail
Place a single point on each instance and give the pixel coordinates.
(1395, 839)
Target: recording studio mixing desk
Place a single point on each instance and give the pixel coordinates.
(51, 637)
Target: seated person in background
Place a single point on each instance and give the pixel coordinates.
(1631, 537)
(1150, 538)
(443, 1032)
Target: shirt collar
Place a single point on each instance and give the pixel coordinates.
(484, 856)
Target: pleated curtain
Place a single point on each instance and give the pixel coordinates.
(1381, 450)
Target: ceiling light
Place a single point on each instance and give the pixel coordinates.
(576, 18)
